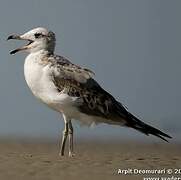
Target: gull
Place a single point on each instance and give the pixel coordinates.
(71, 89)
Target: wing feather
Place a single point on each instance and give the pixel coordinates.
(78, 82)
(68, 70)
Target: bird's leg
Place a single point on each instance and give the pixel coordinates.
(70, 132)
(64, 136)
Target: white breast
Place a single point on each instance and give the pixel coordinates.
(39, 80)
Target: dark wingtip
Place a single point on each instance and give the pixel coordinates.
(135, 123)
(161, 138)
(158, 133)
(164, 135)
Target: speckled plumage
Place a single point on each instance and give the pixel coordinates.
(78, 82)
(71, 89)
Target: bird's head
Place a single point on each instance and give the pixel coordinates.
(38, 39)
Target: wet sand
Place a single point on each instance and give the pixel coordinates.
(93, 160)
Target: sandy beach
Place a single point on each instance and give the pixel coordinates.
(93, 160)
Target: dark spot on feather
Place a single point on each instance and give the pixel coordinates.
(77, 94)
(58, 90)
(70, 70)
(88, 98)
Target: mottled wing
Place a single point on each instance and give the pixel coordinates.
(78, 82)
(95, 101)
(68, 70)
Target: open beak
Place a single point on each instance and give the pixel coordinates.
(17, 37)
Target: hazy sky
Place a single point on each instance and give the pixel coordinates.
(133, 46)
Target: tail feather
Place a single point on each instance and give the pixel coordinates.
(135, 123)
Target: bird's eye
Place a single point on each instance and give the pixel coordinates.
(38, 35)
